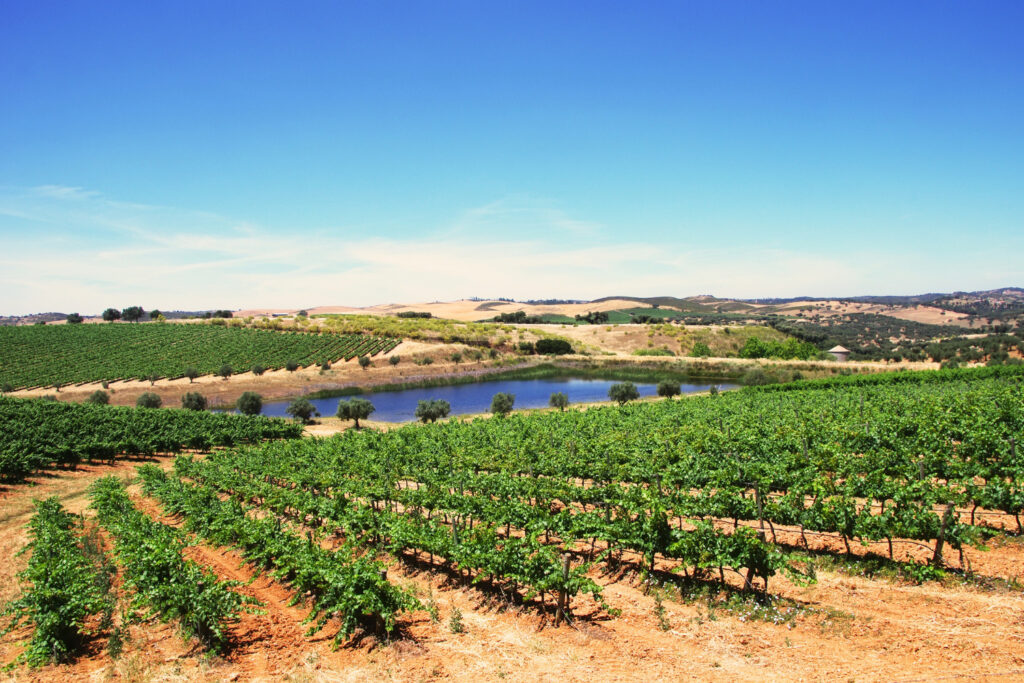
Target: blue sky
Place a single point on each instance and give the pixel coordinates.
(235, 154)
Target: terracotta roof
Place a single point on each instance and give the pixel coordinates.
(838, 349)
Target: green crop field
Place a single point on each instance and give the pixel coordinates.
(35, 434)
(720, 488)
(533, 502)
(42, 356)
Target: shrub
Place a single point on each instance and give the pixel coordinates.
(193, 400)
(661, 351)
(756, 377)
(258, 370)
(555, 347)
(456, 357)
(355, 409)
(527, 347)
(301, 409)
(455, 624)
(291, 366)
(394, 360)
(623, 392)
(225, 371)
(432, 410)
(668, 388)
(250, 403)
(6, 388)
(149, 400)
(502, 403)
(700, 350)
(73, 319)
(98, 398)
(325, 366)
(558, 400)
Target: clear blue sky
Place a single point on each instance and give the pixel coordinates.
(209, 154)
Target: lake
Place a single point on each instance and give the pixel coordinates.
(400, 406)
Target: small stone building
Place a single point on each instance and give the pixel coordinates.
(839, 353)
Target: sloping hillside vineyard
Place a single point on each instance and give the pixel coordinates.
(671, 480)
(40, 356)
(723, 489)
(161, 578)
(35, 434)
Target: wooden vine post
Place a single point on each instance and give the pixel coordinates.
(941, 540)
(749, 581)
(563, 594)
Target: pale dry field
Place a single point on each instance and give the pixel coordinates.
(463, 310)
(918, 313)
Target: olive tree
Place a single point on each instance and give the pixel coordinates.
(191, 373)
(250, 403)
(558, 400)
(148, 400)
(355, 409)
(364, 362)
(226, 371)
(98, 398)
(623, 392)
(111, 314)
(73, 319)
(193, 400)
(432, 410)
(301, 409)
(668, 388)
(132, 314)
(502, 403)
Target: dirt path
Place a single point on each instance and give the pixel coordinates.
(267, 644)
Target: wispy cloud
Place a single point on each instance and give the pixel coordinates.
(522, 215)
(97, 252)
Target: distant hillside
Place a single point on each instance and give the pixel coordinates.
(684, 305)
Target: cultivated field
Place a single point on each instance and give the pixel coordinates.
(45, 356)
(860, 528)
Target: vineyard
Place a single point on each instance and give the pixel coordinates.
(43, 356)
(724, 490)
(35, 434)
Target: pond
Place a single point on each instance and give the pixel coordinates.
(400, 406)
